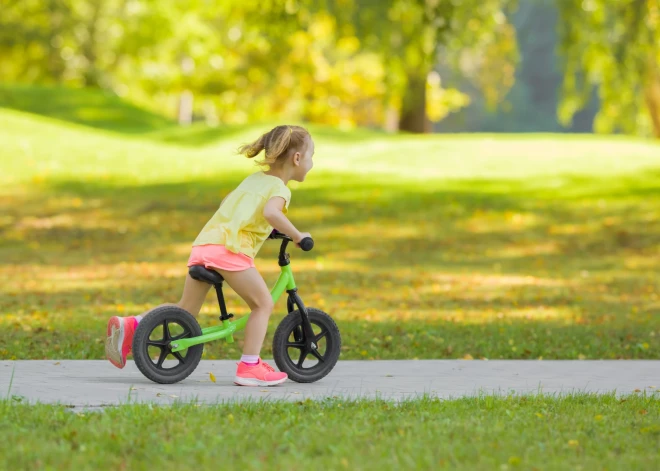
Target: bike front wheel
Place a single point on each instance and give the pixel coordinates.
(304, 361)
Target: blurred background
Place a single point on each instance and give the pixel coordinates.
(486, 186)
(486, 180)
(410, 65)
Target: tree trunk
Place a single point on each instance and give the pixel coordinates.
(89, 48)
(391, 119)
(413, 113)
(653, 100)
(55, 64)
(185, 112)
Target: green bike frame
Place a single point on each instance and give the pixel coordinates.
(285, 282)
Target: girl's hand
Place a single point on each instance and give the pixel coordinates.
(301, 236)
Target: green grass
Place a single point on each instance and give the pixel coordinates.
(440, 246)
(578, 431)
(90, 107)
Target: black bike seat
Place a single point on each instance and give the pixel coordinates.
(200, 273)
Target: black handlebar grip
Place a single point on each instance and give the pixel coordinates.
(307, 244)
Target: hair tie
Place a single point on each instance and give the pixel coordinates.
(290, 131)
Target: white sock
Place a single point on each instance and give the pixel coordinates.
(250, 359)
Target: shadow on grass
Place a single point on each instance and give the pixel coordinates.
(470, 225)
(90, 107)
(104, 110)
(474, 263)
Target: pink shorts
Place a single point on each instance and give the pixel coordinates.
(217, 256)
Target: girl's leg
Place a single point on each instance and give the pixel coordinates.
(194, 293)
(192, 299)
(120, 331)
(250, 286)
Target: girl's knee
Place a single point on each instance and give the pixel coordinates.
(265, 305)
(268, 305)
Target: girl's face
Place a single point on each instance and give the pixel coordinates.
(302, 161)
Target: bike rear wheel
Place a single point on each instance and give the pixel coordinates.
(151, 345)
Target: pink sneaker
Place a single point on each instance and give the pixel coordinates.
(119, 340)
(261, 374)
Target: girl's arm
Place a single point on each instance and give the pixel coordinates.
(276, 218)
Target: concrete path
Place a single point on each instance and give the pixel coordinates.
(97, 384)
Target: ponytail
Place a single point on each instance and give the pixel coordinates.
(279, 141)
(252, 150)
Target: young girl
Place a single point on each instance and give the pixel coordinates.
(229, 242)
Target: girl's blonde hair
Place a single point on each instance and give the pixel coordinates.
(280, 141)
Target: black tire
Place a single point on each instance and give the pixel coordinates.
(290, 331)
(144, 340)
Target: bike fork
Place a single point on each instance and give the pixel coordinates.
(294, 299)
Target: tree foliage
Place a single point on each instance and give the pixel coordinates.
(613, 46)
(340, 62)
(531, 103)
(414, 37)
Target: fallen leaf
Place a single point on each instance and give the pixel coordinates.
(57, 363)
(159, 394)
(643, 412)
(467, 356)
(638, 390)
(573, 443)
(264, 390)
(173, 395)
(212, 376)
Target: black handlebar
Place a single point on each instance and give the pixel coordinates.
(306, 244)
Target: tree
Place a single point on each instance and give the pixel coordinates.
(78, 41)
(482, 50)
(531, 104)
(340, 62)
(613, 46)
(414, 36)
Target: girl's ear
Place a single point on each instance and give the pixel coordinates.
(296, 158)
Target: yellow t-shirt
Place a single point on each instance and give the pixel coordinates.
(239, 223)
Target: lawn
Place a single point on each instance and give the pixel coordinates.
(444, 246)
(577, 431)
